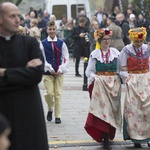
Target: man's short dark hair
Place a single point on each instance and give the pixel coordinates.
(112, 18)
(39, 15)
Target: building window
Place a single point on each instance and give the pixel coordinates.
(75, 10)
(59, 11)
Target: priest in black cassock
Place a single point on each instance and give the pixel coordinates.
(21, 68)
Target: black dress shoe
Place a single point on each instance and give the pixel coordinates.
(57, 120)
(49, 115)
(137, 145)
(78, 75)
(106, 145)
(148, 144)
(108, 148)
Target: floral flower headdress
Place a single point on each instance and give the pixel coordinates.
(137, 34)
(100, 33)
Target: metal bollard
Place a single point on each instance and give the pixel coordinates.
(84, 77)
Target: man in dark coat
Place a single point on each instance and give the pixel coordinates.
(124, 26)
(21, 68)
(42, 26)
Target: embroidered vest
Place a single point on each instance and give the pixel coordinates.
(53, 55)
(137, 64)
(110, 67)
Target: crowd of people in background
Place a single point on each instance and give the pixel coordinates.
(125, 20)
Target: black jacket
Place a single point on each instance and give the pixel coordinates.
(80, 45)
(20, 99)
(143, 23)
(125, 28)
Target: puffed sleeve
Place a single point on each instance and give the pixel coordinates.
(122, 63)
(91, 70)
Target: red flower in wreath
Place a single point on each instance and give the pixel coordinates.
(107, 32)
(140, 36)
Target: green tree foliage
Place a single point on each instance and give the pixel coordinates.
(137, 6)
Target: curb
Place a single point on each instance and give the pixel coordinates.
(76, 143)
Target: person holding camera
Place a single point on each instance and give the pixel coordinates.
(81, 43)
(56, 64)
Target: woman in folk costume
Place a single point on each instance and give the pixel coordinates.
(105, 90)
(134, 70)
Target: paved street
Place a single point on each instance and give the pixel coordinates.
(70, 134)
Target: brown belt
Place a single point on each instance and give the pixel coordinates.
(106, 73)
(138, 71)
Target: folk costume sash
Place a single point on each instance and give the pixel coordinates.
(54, 47)
(58, 50)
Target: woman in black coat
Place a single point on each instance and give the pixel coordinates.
(80, 36)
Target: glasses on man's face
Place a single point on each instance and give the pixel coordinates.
(106, 39)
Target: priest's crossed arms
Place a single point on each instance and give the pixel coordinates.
(32, 63)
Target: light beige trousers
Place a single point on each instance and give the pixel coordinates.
(53, 94)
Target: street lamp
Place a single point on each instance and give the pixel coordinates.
(84, 77)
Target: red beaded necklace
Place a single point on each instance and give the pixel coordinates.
(105, 56)
(138, 54)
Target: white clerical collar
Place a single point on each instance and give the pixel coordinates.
(7, 38)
